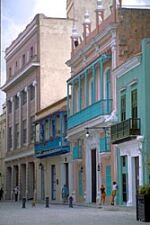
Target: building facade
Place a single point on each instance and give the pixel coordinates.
(2, 146)
(33, 73)
(92, 95)
(52, 151)
(131, 133)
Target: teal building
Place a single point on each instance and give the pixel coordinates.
(131, 135)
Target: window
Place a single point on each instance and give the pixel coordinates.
(57, 125)
(31, 52)
(17, 135)
(46, 129)
(134, 110)
(24, 133)
(23, 59)
(134, 103)
(32, 128)
(24, 97)
(16, 66)
(9, 137)
(10, 72)
(9, 106)
(16, 102)
(123, 107)
(32, 92)
(37, 132)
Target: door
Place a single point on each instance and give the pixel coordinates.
(66, 175)
(53, 184)
(93, 173)
(137, 173)
(124, 179)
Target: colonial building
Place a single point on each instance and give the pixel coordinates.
(2, 146)
(52, 151)
(131, 134)
(92, 94)
(33, 73)
(36, 78)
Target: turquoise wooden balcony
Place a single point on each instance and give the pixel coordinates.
(99, 108)
(125, 130)
(56, 146)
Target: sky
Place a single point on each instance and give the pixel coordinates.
(16, 14)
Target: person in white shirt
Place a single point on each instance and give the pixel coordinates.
(114, 191)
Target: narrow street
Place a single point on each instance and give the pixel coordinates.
(12, 213)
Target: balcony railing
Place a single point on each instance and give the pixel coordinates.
(100, 108)
(55, 146)
(125, 130)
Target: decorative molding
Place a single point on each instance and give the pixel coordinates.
(127, 66)
(18, 156)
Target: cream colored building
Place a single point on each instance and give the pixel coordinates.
(35, 68)
(36, 77)
(52, 151)
(2, 146)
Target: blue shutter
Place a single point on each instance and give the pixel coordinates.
(108, 180)
(80, 184)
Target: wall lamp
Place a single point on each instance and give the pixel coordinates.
(94, 128)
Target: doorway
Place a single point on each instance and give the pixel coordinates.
(137, 173)
(93, 174)
(53, 182)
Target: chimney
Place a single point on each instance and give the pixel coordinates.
(86, 25)
(99, 13)
(75, 37)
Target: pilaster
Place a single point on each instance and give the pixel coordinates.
(13, 123)
(20, 119)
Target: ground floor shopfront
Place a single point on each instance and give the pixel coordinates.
(20, 173)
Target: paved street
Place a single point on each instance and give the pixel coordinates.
(12, 213)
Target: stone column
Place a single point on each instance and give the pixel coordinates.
(28, 119)
(36, 97)
(114, 64)
(19, 180)
(13, 123)
(94, 83)
(130, 181)
(79, 96)
(12, 182)
(7, 124)
(27, 174)
(86, 89)
(20, 119)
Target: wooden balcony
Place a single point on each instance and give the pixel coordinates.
(125, 130)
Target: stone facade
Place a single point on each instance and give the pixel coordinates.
(90, 63)
(33, 73)
(2, 146)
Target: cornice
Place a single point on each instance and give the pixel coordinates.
(127, 66)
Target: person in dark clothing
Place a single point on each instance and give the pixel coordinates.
(103, 194)
(1, 193)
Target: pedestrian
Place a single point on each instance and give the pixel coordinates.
(103, 194)
(114, 191)
(65, 193)
(1, 193)
(16, 191)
